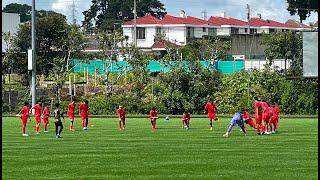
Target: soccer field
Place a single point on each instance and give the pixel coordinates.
(104, 152)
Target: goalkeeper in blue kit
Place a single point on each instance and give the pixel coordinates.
(236, 119)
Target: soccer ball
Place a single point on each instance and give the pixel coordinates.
(167, 118)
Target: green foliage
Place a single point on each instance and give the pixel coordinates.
(106, 13)
(302, 8)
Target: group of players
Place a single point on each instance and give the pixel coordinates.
(266, 117)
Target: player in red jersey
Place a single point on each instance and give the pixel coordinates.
(212, 111)
(274, 120)
(122, 117)
(258, 116)
(71, 111)
(185, 119)
(247, 119)
(45, 116)
(153, 115)
(24, 115)
(84, 114)
(265, 116)
(37, 114)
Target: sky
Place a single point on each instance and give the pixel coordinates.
(269, 9)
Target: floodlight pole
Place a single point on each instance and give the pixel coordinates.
(33, 79)
(135, 23)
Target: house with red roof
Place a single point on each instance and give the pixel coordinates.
(182, 29)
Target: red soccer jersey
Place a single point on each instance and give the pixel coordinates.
(71, 108)
(37, 110)
(186, 116)
(210, 107)
(84, 110)
(153, 114)
(275, 112)
(264, 106)
(246, 115)
(121, 113)
(46, 111)
(25, 111)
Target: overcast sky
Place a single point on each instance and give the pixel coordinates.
(269, 9)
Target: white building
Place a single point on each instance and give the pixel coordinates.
(10, 23)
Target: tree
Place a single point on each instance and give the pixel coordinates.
(103, 14)
(302, 8)
(23, 9)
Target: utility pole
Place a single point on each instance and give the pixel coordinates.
(135, 23)
(74, 21)
(248, 12)
(33, 41)
(204, 12)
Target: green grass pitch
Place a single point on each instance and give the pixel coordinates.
(104, 152)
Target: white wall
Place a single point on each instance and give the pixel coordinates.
(224, 31)
(259, 64)
(10, 23)
(175, 34)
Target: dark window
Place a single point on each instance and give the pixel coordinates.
(212, 31)
(272, 30)
(158, 30)
(204, 29)
(245, 30)
(190, 32)
(234, 30)
(141, 33)
(253, 31)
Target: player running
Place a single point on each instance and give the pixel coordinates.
(37, 114)
(153, 115)
(121, 117)
(57, 120)
(45, 116)
(185, 119)
(24, 115)
(84, 114)
(212, 111)
(71, 111)
(237, 119)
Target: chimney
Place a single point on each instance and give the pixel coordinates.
(182, 14)
(259, 15)
(223, 14)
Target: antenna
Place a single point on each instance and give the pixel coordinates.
(74, 20)
(204, 12)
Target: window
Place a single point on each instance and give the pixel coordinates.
(158, 30)
(234, 30)
(272, 30)
(212, 31)
(253, 31)
(190, 32)
(204, 29)
(141, 33)
(245, 30)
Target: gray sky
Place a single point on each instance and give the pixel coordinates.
(269, 9)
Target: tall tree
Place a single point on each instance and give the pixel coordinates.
(302, 8)
(103, 14)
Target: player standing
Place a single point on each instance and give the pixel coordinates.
(236, 119)
(274, 120)
(258, 116)
(37, 114)
(57, 120)
(121, 117)
(211, 110)
(45, 115)
(71, 111)
(185, 119)
(84, 114)
(153, 115)
(24, 115)
(265, 116)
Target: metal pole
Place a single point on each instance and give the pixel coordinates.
(74, 85)
(33, 79)
(135, 23)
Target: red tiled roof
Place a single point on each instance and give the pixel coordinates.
(218, 21)
(148, 19)
(162, 44)
(261, 22)
(295, 24)
(168, 19)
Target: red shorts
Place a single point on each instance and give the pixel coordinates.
(71, 116)
(24, 120)
(45, 120)
(38, 118)
(258, 119)
(251, 123)
(266, 118)
(84, 116)
(212, 116)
